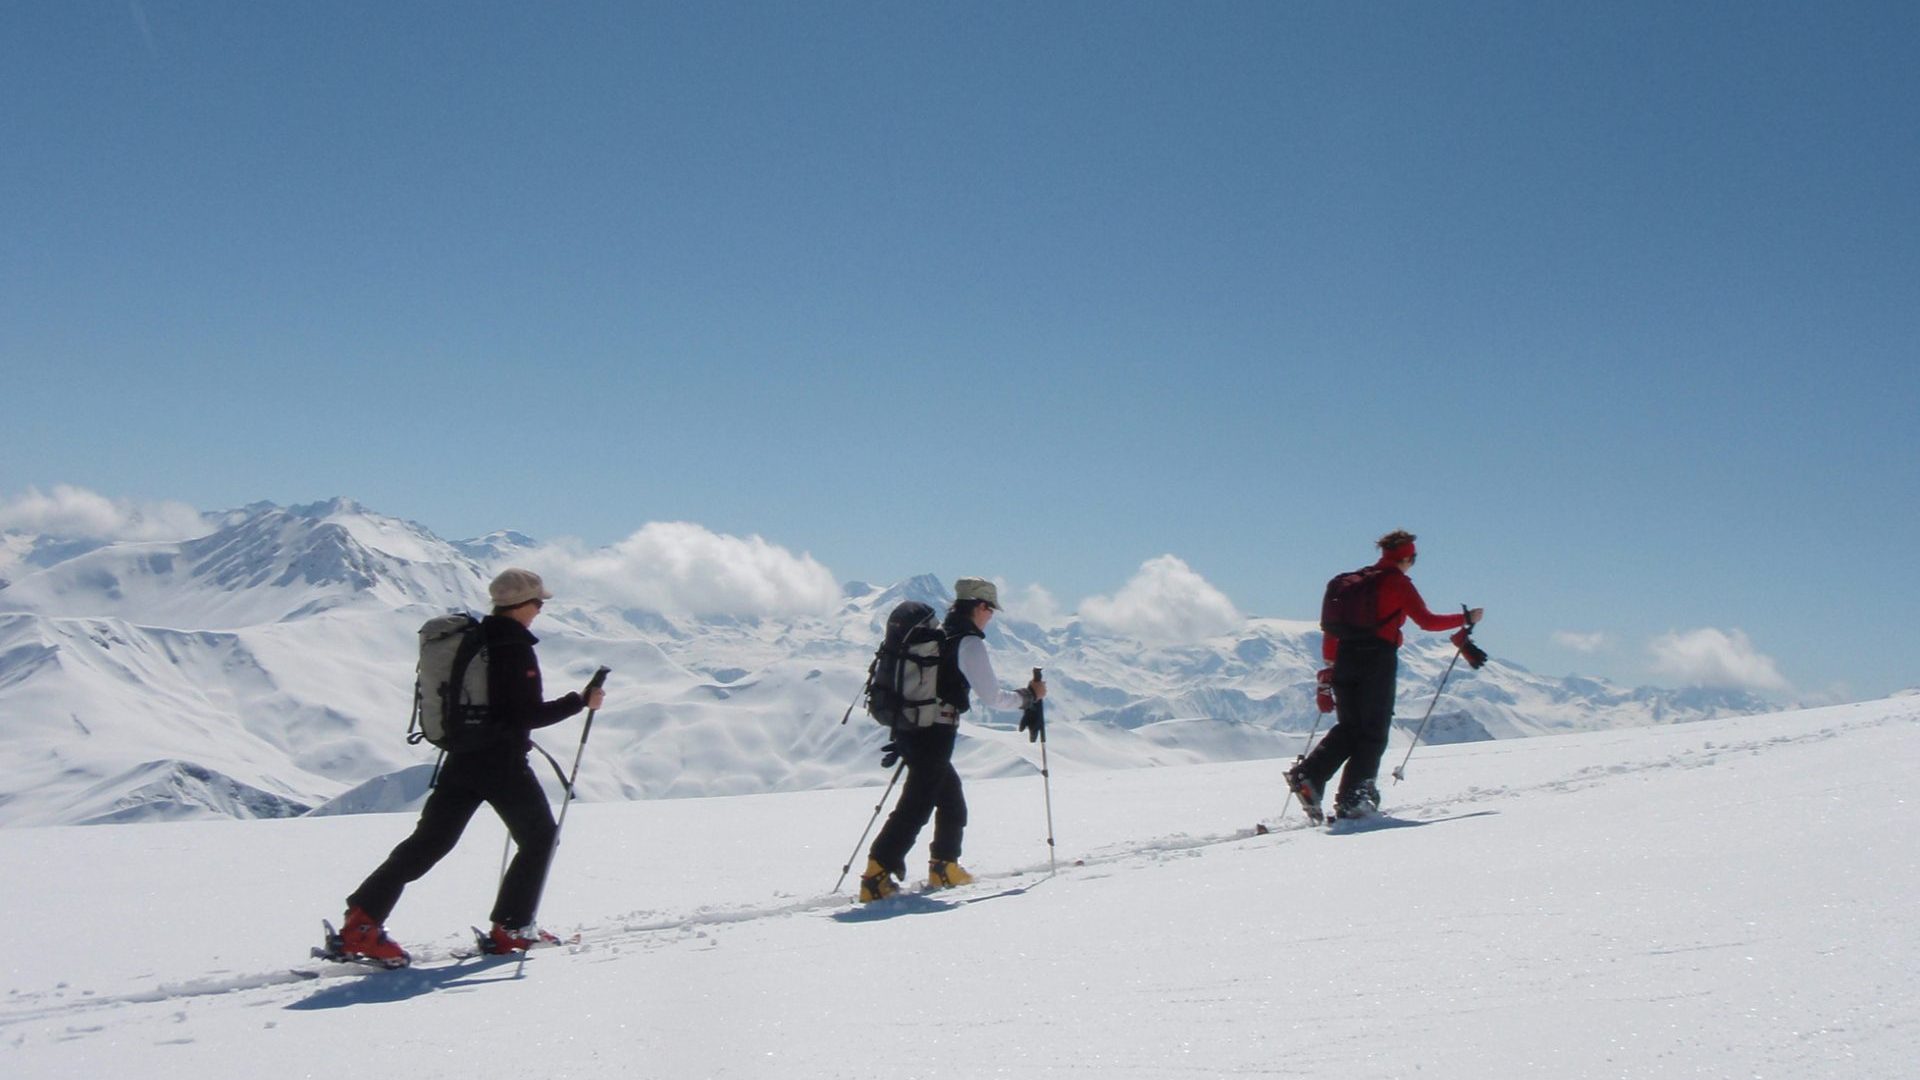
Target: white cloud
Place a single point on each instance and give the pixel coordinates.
(73, 513)
(679, 568)
(1165, 603)
(1580, 642)
(1033, 604)
(1724, 659)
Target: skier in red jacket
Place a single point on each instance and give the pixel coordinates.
(1365, 666)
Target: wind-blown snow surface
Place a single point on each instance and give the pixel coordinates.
(1731, 898)
(266, 668)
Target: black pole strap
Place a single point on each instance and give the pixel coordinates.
(560, 774)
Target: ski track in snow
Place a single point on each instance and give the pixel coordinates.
(648, 930)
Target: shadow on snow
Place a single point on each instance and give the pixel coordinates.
(1378, 822)
(900, 904)
(402, 984)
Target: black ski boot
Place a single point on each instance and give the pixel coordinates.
(1363, 801)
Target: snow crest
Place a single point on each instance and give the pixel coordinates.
(264, 667)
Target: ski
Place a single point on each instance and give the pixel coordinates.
(333, 951)
(922, 897)
(978, 889)
(480, 938)
(1261, 828)
(1323, 821)
(1376, 821)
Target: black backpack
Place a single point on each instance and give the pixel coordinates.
(1351, 608)
(902, 682)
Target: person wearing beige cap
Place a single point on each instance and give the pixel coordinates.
(933, 788)
(496, 774)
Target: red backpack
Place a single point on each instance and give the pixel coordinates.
(1351, 608)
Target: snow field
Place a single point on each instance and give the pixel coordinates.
(1726, 898)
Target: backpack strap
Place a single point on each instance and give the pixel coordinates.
(951, 685)
(557, 771)
(470, 647)
(415, 733)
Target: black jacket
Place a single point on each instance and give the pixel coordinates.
(514, 694)
(950, 685)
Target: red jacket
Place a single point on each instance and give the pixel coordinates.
(1399, 601)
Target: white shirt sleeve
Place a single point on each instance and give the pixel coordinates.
(974, 664)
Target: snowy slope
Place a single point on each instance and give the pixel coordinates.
(262, 564)
(1719, 899)
(266, 667)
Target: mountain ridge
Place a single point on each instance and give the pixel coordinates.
(273, 654)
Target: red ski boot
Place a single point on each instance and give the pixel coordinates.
(364, 940)
(501, 940)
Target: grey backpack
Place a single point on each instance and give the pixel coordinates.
(902, 682)
(450, 685)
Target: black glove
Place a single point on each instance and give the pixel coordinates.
(1474, 655)
(1033, 718)
(889, 756)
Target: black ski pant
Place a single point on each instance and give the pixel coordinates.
(932, 788)
(500, 778)
(1364, 678)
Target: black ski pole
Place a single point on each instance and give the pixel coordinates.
(850, 706)
(1400, 771)
(1322, 687)
(1035, 717)
(877, 807)
(1287, 803)
(599, 679)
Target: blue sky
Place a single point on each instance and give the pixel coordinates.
(1615, 306)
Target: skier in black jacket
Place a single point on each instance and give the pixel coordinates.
(933, 785)
(497, 775)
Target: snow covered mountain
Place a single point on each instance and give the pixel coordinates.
(264, 669)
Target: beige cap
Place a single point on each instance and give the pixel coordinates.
(973, 588)
(515, 586)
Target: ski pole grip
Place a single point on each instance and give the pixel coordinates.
(599, 678)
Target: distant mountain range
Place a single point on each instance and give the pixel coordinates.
(264, 669)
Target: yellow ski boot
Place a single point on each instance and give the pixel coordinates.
(876, 883)
(944, 874)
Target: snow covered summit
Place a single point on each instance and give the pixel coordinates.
(264, 668)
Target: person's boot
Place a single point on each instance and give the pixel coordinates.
(502, 940)
(876, 883)
(1362, 801)
(945, 874)
(363, 938)
(1306, 791)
